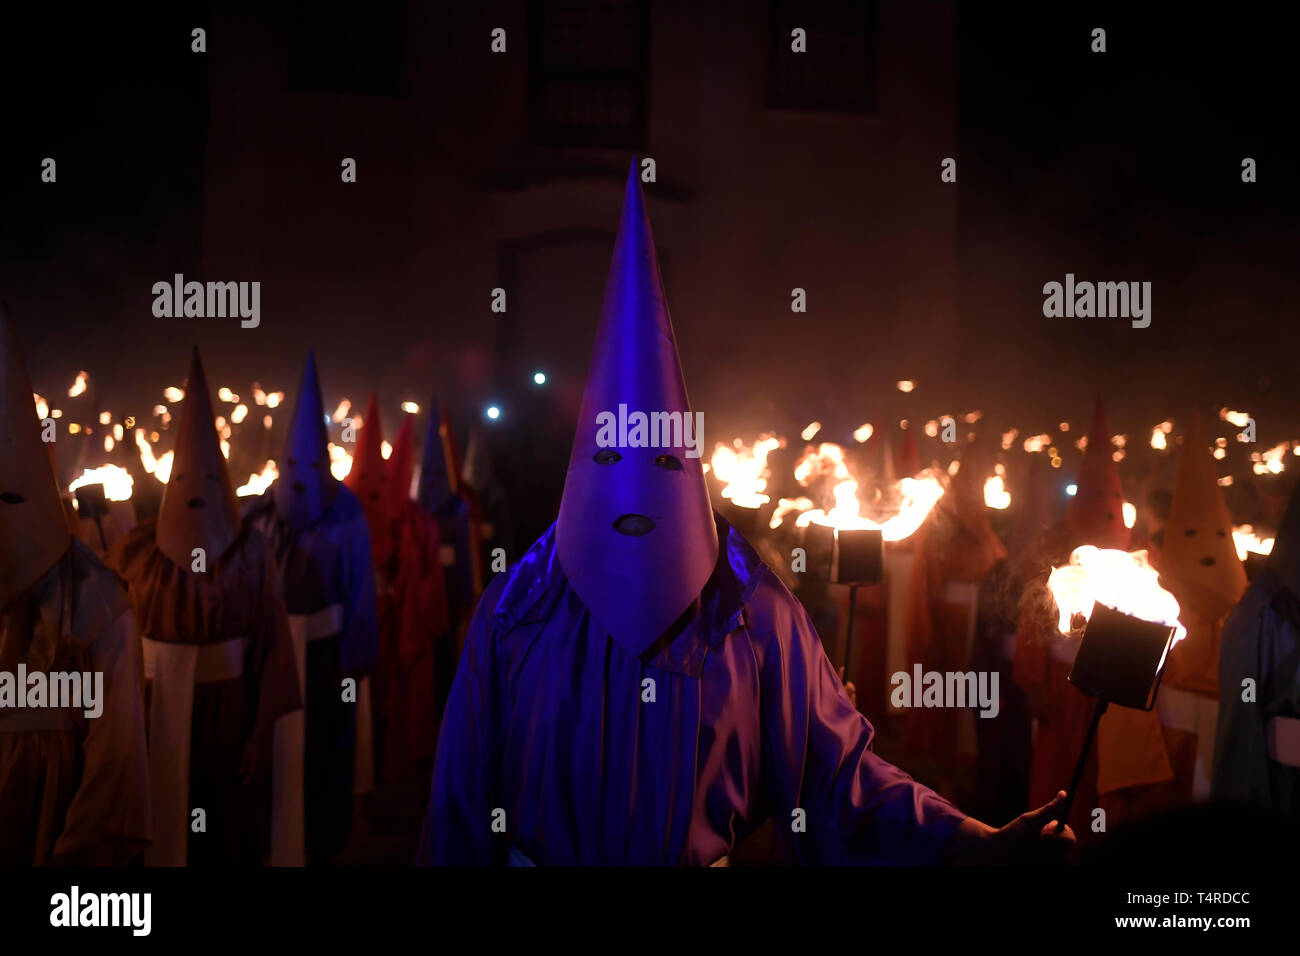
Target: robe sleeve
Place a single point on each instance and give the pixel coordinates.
(458, 823)
(108, 820)
(857, 807)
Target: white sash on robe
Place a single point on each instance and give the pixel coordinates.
(288, 826)
(1194, 714)
(172, 670)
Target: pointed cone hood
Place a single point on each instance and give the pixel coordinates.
(477, 470)
(33, 526)
(198, 509)
(1031, 503)
(305, 488)
(401, 465)
(369, 475)
(909, 460)
(1096, 514)
(1285, 558)
(438, 473)
(635, 582)
(1199, 559)
(888, 475)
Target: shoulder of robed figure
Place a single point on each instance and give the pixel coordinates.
(773, 618)
(98, 596)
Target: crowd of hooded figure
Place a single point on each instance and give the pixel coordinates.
(638, 687)
(261, 669)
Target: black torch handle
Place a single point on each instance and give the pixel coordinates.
(1097, 712)
(100, 527)
(848, 637)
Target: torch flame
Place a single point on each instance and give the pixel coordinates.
(117, 482)
(1121, 580)
(260, 482)
(160, 468)
(916, 497)
(744, 470)
(996, 494)
(1247, 540)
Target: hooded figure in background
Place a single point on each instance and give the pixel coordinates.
(639, 688)
(439, 493)
(368, 480)
(1257, 748)
(318, 534)
(489, 502)
(1130, 750)
(411, 595)
(1096, 512)
(218, 658)
(956, 548)
(74, 780)
(1200, 567)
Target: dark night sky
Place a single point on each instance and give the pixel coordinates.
(1122, 166)
(1127, 166)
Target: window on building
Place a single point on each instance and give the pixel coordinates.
(587, 65)
(838, 71)
(347, 47)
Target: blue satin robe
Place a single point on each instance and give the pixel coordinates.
(552, 747)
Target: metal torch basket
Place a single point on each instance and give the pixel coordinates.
(1122, 658)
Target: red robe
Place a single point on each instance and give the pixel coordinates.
(413, 615)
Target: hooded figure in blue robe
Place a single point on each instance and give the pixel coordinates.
(321, 542)
(639, 688)
(1257, 748)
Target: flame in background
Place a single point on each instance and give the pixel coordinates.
(744, 470)
(1247, 540)
(340, 461)
(1123, 580)
(117, 482)
(826, 463)
(996, 494)
(160, 468)
(260, 482)
(1270, 462)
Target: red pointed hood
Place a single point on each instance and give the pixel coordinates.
(401, 466)
(909, 460)
(1096, 514)
(368, 477)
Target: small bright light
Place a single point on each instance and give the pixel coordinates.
(1071, 490)
(811, 429)
(539, 378)
(493, 412)
(411, 408)
(1130, 515)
